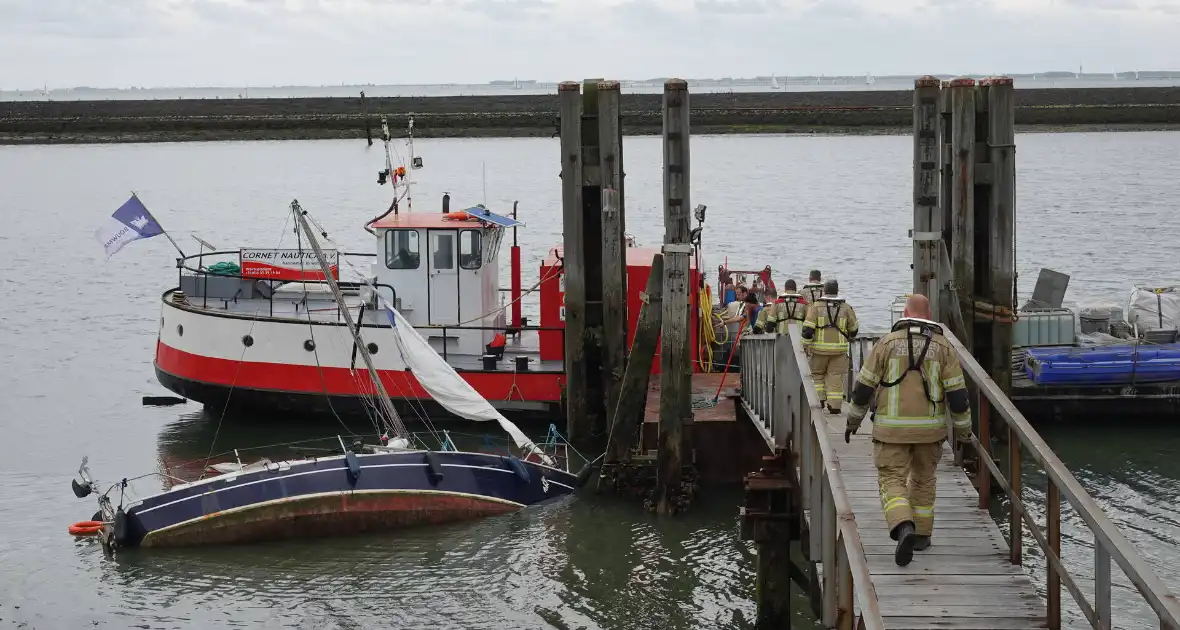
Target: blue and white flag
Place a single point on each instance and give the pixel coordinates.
(130, 222)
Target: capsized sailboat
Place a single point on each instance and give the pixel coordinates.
(396, 482)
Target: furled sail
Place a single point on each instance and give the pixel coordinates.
(445, 385)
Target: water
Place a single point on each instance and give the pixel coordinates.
(77, 336)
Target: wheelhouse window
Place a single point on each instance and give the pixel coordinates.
(401, 249)
(469, 249)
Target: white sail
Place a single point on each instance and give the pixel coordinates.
(445, 385)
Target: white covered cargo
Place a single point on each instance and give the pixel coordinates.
(1154, 308)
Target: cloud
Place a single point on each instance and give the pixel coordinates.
(285, 42)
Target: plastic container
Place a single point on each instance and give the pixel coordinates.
(1094, 322)
(1045, 327)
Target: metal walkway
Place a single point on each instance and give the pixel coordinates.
(971, 578)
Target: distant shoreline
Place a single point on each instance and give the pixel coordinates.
(832, 112)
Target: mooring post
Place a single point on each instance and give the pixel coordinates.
(675, 364)
(1001, 140)
(573, 263)
(368, 123)
(962, 168)
(629, 411)
(614, 254)
(927, 231)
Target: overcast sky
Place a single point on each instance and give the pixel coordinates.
(151, 43)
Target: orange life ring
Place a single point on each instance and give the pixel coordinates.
(457, 216)
(85, 528)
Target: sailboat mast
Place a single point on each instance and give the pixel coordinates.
(386, 403)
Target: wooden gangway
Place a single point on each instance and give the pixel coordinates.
(972, 577)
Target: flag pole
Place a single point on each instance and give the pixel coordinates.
(162, 230)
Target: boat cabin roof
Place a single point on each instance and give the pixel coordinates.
(476, 217)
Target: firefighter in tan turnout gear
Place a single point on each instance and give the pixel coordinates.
(915, 375)
(814, 288)
(829, 325)
(790, 307)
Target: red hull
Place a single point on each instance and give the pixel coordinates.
(496, 386)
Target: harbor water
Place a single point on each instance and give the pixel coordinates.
(77, 335)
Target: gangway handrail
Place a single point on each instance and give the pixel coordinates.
(1108, 541)
(778, 393)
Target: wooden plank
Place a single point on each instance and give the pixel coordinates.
(966, 549)
(926, 581)
(944, 566)
(573, 262)
(614, 267)
(1001, 141)
(675, 363)
(954, 592)
(961, 623)
(980, 608)
(629, 412)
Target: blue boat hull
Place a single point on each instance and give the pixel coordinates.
(1108, 365)
(328, 496)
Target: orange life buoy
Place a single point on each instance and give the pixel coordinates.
(457, 216)
(86, 528)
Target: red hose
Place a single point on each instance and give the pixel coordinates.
(729, 360)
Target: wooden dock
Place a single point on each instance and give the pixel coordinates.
(964, 580)
(823, 493)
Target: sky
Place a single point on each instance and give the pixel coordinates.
(159, 43)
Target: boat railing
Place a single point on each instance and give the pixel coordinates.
(202, 272)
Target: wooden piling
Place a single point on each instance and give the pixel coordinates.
(368, 123)
(614, 254)
(629, 412)
(675, 364)
(927, 230)
(1001, 140)
(962, 198)
(578, 427)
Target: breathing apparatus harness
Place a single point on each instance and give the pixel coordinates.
(829, 301)
(792, 304)
(810, 290)
(925, 330)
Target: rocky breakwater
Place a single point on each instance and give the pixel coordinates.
(877, 111)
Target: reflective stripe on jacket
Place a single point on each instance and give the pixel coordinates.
(905, 413)
(829, 337)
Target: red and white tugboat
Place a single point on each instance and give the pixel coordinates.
(264, 333)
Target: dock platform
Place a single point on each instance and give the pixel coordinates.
(823, 493)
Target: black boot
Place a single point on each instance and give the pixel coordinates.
(906, 539)
(922, 543)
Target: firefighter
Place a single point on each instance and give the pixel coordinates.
(916, 378)
(790, 307)
(814, 289)
(829, 325)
